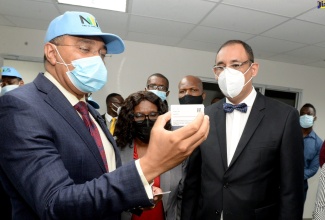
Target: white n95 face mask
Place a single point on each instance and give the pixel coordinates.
(232, 82)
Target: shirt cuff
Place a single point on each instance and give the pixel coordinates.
(147, 186)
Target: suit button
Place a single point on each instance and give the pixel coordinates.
(226, 185)
(218, 212)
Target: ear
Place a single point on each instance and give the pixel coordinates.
(167, 93)
(50, 53)
(315, 118)
(21, 83)
(204, 95)
(145, 89)
(254, 69)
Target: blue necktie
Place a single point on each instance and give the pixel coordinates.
(228, 108)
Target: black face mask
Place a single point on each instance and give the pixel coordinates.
(142, 130)
(189, 99)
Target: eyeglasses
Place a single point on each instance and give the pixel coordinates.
(139, 117)
(87, 49)
(156, 87)
(218, 69)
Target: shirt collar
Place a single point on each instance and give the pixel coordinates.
(312, 134)
(71, 98)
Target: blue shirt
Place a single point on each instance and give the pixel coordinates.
(312, 146)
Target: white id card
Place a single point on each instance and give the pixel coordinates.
(181, 115)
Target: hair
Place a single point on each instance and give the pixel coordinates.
(124, 130)
(308, 105)
(160, 76)
(247, 48)
(110, 96)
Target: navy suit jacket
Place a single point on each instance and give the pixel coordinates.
(264, 180)
(50, 164)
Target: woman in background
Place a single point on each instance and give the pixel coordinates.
(136, 119)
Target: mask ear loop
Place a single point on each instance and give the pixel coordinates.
(64, 63)
(246, 72)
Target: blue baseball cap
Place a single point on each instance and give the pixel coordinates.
(82, 24)
(9, 71)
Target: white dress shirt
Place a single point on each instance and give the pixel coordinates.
(235, 124)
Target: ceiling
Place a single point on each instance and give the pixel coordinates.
(279, 30)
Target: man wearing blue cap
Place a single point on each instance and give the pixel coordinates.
(11, 79)
(58, 159)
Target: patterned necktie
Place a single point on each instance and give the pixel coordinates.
(228, 108)
(112, 127)
(81, 107)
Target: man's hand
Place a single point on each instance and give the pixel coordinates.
(167, 149)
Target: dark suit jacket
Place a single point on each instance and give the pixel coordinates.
(265, 177)
(50, 164)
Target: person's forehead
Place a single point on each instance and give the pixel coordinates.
(157, 80)
(145, 106)
(189, 83)
(117, 99)
(232, 53)
(307, 110)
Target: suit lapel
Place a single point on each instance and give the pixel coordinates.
(254, 119)
(219, 121)
(59, 103)
(109, 136)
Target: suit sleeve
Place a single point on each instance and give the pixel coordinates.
(192, 186)
(34, 169)
(292, 169)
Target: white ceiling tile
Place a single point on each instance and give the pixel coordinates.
(181, 10)
(215, 35)
(310, 52)
(279, 7)
(315, 15)
(246, 20)
(5, 22)
(29, 9)
(158, 27)
(152, 39)
(32, 23)
(198, 45)
(322, 44)
(298, 31)
(273, 45)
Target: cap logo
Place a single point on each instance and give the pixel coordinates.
(88, 21)
(6, 70)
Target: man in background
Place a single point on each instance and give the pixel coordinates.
(11, 79)
(158, 84)
(114, 102)
(190, 90)
(312, 143)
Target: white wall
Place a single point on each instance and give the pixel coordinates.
(128, 73)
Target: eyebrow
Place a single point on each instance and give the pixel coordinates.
(232, 61)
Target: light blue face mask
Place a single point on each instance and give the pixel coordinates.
(7, 89)
(306, 121)
(160, 94)
(89, 74)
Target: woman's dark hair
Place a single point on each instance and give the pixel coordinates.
(124, 129)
